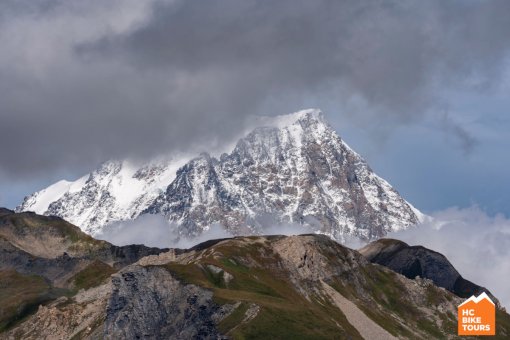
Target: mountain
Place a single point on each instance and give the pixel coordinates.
(116, 191)
(412, 261)
(290, 169)
(44, 258)
(268, 287)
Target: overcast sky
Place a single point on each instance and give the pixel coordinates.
(419, 88)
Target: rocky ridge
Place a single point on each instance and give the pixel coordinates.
(305, 286)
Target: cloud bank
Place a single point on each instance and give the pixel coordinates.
(478, 245)
(85, 81)
(156, 231)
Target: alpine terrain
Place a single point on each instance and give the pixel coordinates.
(290, 169)
(59, 283)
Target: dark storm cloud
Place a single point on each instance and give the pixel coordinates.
(84, 81)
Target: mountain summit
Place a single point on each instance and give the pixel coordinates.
(289, 169)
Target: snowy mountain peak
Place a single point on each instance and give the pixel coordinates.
(290, 169)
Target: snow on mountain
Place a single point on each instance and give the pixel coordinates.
(40, 201)
(116, 191)
(290, 169)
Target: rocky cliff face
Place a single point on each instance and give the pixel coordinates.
(413, 261)
(144, 300)
(305, 286)
(291, 169)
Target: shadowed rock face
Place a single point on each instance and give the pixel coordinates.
(412, 261)
(144, 299)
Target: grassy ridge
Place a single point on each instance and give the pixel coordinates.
(284, 313)
(20, 296)
(73, 239)
(93, 275)
(260, 279)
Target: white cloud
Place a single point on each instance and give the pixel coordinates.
(478, 245)
(156, 231)
(150, 230)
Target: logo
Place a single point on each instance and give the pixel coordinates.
(477, 316)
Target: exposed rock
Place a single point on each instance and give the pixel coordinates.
(154, 260)
(225, 276)
(309, 257)
(149, 303)
(80, 317)
(413, 261)
(251, 312)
